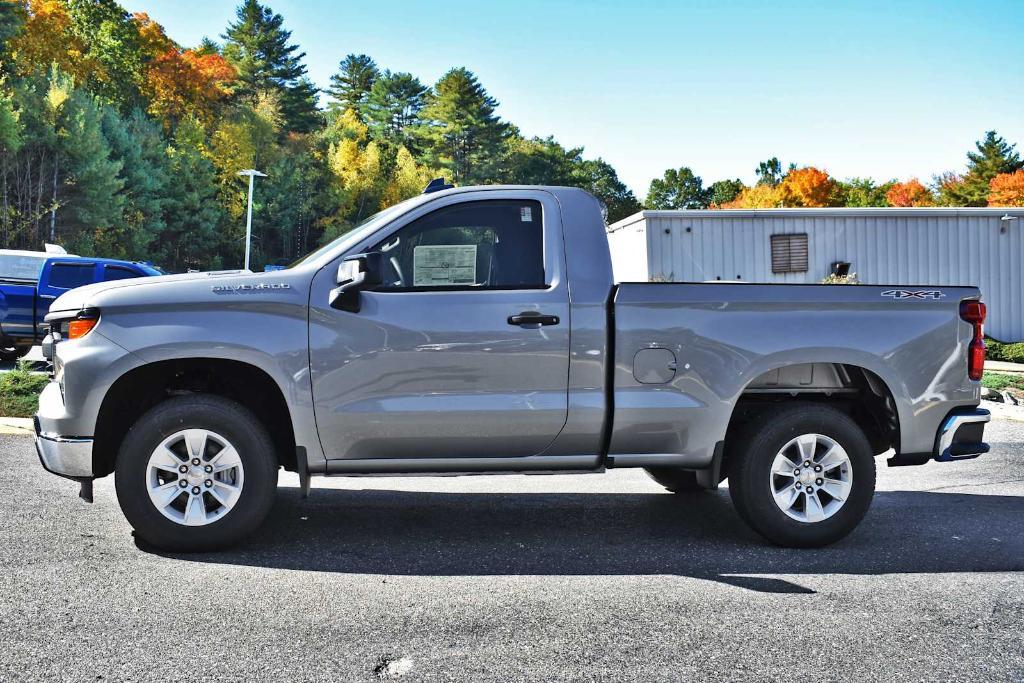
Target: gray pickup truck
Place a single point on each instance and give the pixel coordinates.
(480, 330)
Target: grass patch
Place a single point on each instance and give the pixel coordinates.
(19, 391)
(1009, 353)
(1000, 381)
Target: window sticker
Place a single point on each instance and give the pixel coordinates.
(525, 214)
(444, 264)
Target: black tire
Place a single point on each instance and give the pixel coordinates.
(752, 450)
(675, 480)
(224, 417)
(9, 354)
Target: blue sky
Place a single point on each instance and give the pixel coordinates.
(880, 89)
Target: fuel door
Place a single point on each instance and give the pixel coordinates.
(654, 366)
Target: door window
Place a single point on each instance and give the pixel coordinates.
(118, 273)
(496, 244)
(70, 275)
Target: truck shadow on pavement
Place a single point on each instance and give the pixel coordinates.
(376, 531)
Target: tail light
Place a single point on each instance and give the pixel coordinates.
(974, 313)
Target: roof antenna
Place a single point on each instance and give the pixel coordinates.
(436, 185)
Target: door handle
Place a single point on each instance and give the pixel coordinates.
(532, 318)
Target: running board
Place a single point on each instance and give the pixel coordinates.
(532, 463)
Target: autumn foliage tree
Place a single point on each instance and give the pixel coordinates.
(910, 193)
(807, 187)
(181, 82)
(1007, 189)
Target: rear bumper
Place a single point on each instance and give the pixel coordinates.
(962, 434)
(64, 455)
(960, 437)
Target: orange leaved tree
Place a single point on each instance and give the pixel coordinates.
(910, 193)
(809, 187)
(1007, 189)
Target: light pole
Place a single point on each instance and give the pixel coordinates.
(252, 173)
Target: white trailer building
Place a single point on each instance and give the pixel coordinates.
(982, 247)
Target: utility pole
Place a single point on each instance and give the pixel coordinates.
(252, 173)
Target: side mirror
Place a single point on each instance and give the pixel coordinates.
(355, 274)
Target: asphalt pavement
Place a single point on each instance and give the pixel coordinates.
(503, 578)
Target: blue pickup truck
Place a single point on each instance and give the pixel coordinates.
(31, 280)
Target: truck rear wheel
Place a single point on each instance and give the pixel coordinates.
(803, 476)
(675, 480)
(196, 473)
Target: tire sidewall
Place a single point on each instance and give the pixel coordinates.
(752, 488)
(232, 422)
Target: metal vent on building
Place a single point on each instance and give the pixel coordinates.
(789, 253)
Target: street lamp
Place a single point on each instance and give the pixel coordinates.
(252, 173)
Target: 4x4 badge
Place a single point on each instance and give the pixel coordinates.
(913, 294)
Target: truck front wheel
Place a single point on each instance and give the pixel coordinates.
(803, 476)
(196, 473)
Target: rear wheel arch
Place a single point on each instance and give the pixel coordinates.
(855, 390)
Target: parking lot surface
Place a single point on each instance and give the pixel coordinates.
(577, 577)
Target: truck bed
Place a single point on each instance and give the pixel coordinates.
(724, 336)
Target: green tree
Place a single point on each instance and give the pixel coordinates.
(11, 132)
(540, 161)
(722, 191)
(113, 47)
(678, 189)
(459, 130)
(92, 200)
(994, 155)
(392, 106)
(137, 143)
(192, 217)
(599, 178)
(257, 45)
(769, 172)
(862, 192)
(292, 199)
(12, 21)
(351, 84)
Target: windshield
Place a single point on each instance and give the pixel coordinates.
(361, 230)
(21, 266)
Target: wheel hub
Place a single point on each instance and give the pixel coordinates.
(194, 477)
(811, 477)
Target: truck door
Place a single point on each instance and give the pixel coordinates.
(463, 351)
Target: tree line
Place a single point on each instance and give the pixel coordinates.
(115, 140)
(994, 176)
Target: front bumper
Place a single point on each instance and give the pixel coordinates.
(64, 455)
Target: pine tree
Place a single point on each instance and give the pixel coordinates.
(351, 85)
(994, 156)
(138, 144)
(92, 197)
(460, 132)
(256, 44)
(189, 236)
(392, 107)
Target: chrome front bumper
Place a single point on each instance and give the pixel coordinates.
(961, 435)
(63, 455)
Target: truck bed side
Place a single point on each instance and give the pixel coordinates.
(685, 354)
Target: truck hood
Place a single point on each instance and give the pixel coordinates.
(82, 297)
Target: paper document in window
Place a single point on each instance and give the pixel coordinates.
(444, 264)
